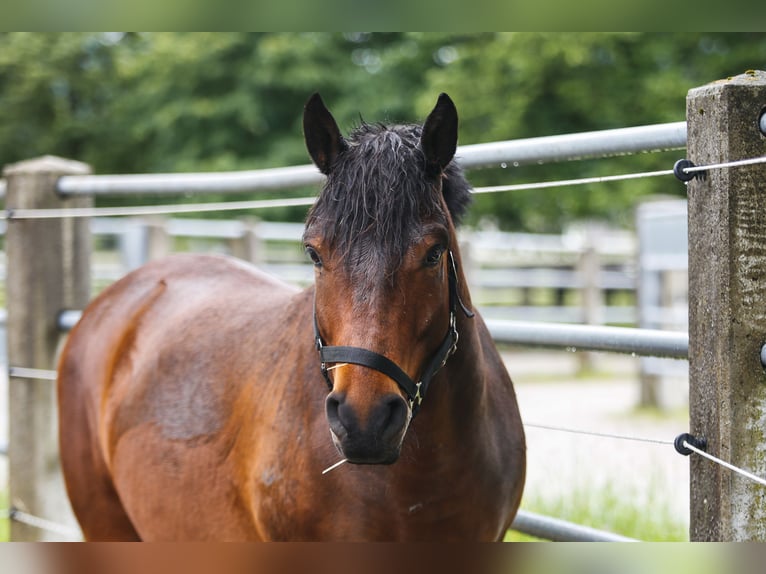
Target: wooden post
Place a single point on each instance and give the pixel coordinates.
(592, 297)
(159, 241)
(48, 271)
(727, 307)
(249, 246)
(134, 245)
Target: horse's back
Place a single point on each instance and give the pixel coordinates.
(152, 370)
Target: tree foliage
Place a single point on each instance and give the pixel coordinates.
(195, 102)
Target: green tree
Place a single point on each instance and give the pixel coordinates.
(55, 93)
(159, 102)
(514, 85)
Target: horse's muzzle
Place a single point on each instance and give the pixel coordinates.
(375, 440)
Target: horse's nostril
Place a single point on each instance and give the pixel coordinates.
(385, 420)
(368, 433)
(339, 415)
(333, 402)
(392, 416)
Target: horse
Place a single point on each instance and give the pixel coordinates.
(202, 399)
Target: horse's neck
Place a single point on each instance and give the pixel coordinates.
(467, 364)
(457, 396)
(464, 370)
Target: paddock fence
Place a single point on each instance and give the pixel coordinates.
(49, 202)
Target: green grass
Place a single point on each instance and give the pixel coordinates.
(5, 523)
(613, 510)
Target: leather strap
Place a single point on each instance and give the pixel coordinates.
(359, 356)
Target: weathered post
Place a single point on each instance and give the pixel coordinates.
(727, 307)
(248, 246)
(48, 271)
(159, 241)
(589, 271)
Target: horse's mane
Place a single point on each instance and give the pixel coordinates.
(377, 194)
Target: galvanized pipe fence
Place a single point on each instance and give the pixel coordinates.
(508, 153)
(54, 183)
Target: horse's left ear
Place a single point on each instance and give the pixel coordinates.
(439, 138)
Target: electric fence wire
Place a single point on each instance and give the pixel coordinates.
(11, 214)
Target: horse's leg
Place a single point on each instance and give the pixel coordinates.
(94, 499)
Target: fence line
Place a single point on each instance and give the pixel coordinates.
(637, 342)
(16, 515)
(209, 207)
(175, 208)
(496, 262)
(557, 530)
(514, 153)
(200, 181)
(725, 464)
(567, 147)
(582, 432)
(571, 182)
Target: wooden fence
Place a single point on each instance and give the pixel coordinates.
(569, 278)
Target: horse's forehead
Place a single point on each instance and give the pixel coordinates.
(374, 204)
(372, 268)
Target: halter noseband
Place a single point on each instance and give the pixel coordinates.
(359, 356)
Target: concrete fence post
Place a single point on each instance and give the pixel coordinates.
(48, 271)
(727, 307)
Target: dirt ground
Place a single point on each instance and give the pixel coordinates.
(559, 463)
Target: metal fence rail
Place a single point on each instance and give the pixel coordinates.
(639, 342)
(557, 530)
(567, 147)
(545, 149)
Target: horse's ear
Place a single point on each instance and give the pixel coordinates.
(439, 139)
(321, 133)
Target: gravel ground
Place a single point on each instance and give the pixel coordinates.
(550, 393)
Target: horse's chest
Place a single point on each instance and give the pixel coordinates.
(369, 509)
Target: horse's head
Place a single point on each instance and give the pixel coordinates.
(382, 238)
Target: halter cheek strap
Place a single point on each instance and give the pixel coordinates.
(359, 356)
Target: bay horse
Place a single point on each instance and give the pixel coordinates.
(201, 399)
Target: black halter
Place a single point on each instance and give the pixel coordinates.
(358, 356)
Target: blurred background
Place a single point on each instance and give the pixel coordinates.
(159, 102)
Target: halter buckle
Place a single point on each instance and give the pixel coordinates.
(455, 336)
(417, 400)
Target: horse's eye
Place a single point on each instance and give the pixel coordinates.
(434, 255)
(314, 256)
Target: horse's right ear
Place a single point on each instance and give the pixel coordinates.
(439, 139)
(323, 139)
